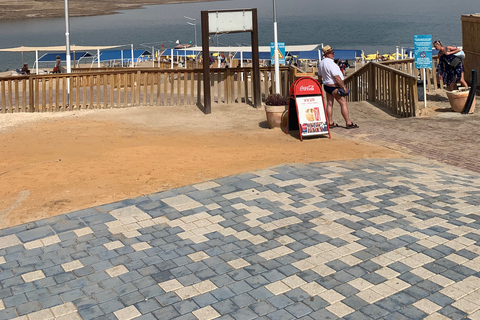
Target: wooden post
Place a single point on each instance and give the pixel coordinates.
(207, 98)
(371, 82)
(255, 62)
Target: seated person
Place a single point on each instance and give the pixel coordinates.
(25, 69)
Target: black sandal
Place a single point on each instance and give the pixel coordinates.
(333, 125)
(351, 126)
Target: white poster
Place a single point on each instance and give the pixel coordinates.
(311, 115)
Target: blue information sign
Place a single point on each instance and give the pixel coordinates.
(281, 52)
(423, 51)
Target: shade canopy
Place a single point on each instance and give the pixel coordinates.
(307, 47)
(51, 57)
(179, 52)
(347, 54)
(109, 55)
(248, 55)
(58, 48)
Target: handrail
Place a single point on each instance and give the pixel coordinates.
(393, 89)
(126, 87)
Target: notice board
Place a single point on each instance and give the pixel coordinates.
(423, 51)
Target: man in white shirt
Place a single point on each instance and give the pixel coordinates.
(331, 76)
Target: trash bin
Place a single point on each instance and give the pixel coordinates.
(420, 90)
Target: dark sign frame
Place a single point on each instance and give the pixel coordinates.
(207, 98)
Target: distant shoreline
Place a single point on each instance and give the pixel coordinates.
(33, 9)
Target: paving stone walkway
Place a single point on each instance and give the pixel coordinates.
(366, 239)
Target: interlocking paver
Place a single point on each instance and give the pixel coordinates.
(364, 239)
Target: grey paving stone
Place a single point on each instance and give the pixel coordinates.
(280, 301)
(355, 302)
(26, 308)
(72, 295)
(8, 313)
(168, 298)
(412, 313)
(147, 306)
(35, 234)
(50, 302)
(205, 299)
(15, 300)
(167, 313)
(91, 313)
(280, 315)
(299, 309)
(243, 314)
(374, 311)
(185, 306)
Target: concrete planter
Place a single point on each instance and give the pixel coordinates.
(458, 98)
(274, 115)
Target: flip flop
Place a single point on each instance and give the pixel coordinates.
(351, 126)
(333, 125)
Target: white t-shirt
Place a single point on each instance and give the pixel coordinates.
(328, 69)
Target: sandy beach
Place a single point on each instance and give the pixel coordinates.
(54, 163)
(27, 9)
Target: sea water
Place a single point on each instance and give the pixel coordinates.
(369, 25)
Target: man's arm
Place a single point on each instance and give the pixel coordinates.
(339, 82)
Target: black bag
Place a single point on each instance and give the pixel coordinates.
(454, 62)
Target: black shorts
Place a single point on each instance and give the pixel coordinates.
(329, 89)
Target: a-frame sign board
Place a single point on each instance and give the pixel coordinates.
(306, 109)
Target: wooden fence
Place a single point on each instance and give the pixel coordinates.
(471, 45)
(132, 87)
(391, 88)
(408, 66)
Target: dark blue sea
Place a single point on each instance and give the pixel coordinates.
(368, 25)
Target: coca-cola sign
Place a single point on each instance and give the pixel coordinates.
(308, 88)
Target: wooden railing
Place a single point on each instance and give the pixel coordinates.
(133, 87)
(408, 66)
(393, 89)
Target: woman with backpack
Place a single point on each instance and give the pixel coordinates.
(449, 65)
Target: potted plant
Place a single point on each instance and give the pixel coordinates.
(275, 107)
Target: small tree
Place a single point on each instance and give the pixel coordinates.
(276, 99)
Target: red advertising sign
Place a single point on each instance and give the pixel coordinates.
(306, 110)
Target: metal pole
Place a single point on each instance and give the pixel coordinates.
(424, 88)
(193, 24)
(275, 37)
(67, 47)
(36, 59)
(98, 58)
(153, 57)
(133, 65)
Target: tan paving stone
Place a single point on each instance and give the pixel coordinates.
(32, 276)
(127, 313)
(69, 266)
(171, 285)
(63, 309)
(116, 271)
(427, 306)
(206, 313)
